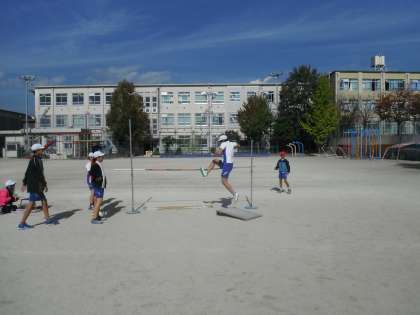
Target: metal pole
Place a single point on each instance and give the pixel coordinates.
(132, 211)
(251, 201)
(26, 117)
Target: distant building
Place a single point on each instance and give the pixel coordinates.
(70, 115)
(364, 88)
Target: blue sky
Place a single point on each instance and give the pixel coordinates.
(101, 41)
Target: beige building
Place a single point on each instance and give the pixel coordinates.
(365, 88)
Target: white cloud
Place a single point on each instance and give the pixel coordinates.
(50, 80)
(114, 74)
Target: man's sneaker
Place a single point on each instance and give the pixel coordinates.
(235, 197)
(90, 207)
(24, 226)
(96, 221)
(281, 190)
(203, 172)
(289, 191)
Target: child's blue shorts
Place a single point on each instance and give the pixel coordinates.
(283, 175)
(36, 197)
(99, 192)
(226, 169)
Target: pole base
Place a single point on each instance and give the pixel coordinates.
(251, 207)
(133, 211)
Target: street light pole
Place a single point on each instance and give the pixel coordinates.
(210, 96)
(28, 79)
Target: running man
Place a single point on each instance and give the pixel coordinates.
(227, 148)
(34, 182)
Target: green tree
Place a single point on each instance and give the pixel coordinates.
(296, 100)
(255, 118)
(395, 107)
(322, 119)
(168, 141)
(125, 104)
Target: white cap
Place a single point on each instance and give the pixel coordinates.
(9, 183)
(97, 154)
(222, 138)
(90, 154)
(36, 147)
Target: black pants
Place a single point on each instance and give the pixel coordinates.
(8, 208)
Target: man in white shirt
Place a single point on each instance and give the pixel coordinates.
(226, 148)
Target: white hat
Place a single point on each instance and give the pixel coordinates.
(97, 154)
(90, 154)
(9, 183)
(222, 138)
(36, 147)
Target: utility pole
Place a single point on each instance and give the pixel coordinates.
(28, 79)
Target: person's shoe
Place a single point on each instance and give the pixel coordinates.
(235, 197)
(289, 191)
(24, 226)
(90, 207)
(203, 172)
(281, 190)
(96, 221)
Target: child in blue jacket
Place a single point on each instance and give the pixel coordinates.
(283, 167)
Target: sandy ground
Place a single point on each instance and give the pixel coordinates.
(347, 241)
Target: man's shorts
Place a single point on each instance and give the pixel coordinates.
(99, 192)
(226, 169)
(36, 197)
(283, 175)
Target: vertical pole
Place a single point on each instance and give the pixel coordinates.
(26, 117)
(251, 201)
(132, 211)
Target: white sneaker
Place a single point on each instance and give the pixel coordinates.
(203, 172)
(235, 197)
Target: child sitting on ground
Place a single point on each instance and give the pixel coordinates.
(7, 197)
(283, 167)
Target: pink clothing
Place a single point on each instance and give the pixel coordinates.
(5, 197)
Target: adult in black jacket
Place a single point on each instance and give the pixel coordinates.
(97, 174)
(35, 184)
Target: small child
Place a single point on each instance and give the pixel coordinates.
(98, 177)
(89, 182)
(284, 169)
(7, 197)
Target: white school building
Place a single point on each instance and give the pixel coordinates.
(72, 114)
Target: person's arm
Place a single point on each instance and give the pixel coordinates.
(277, 165)
(28, 173)
(288, 166)
(218, 151)
(237, 145)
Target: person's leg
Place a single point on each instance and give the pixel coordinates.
(27, 212)
(286, 182)
(91, 198)
(97, 208)
(212, 165)
(281, 183)
(227, 185)
(45, 209)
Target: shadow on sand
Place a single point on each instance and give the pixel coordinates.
(112, 208)
(415, 166)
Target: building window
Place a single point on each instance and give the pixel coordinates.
(235, 96)
(167, 97)
(201, 119)
(79, 121)
(200, 98)
(394, 85)
(415, 85)
(147, 104)
(154, 126)
(44, 99)
(61, 99)
(218, 119)
(45, 121)
(168, 119)
(251, 93)
(61, 121)
(184, 141)
(183, 97)
(349, 84)
(95, 120)
(77, 98)
(184, 119)
(200, 141)
(371, 84)
(269, 96)
(108, 98)
(95, 98)
(219, 97)
(233, 118)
